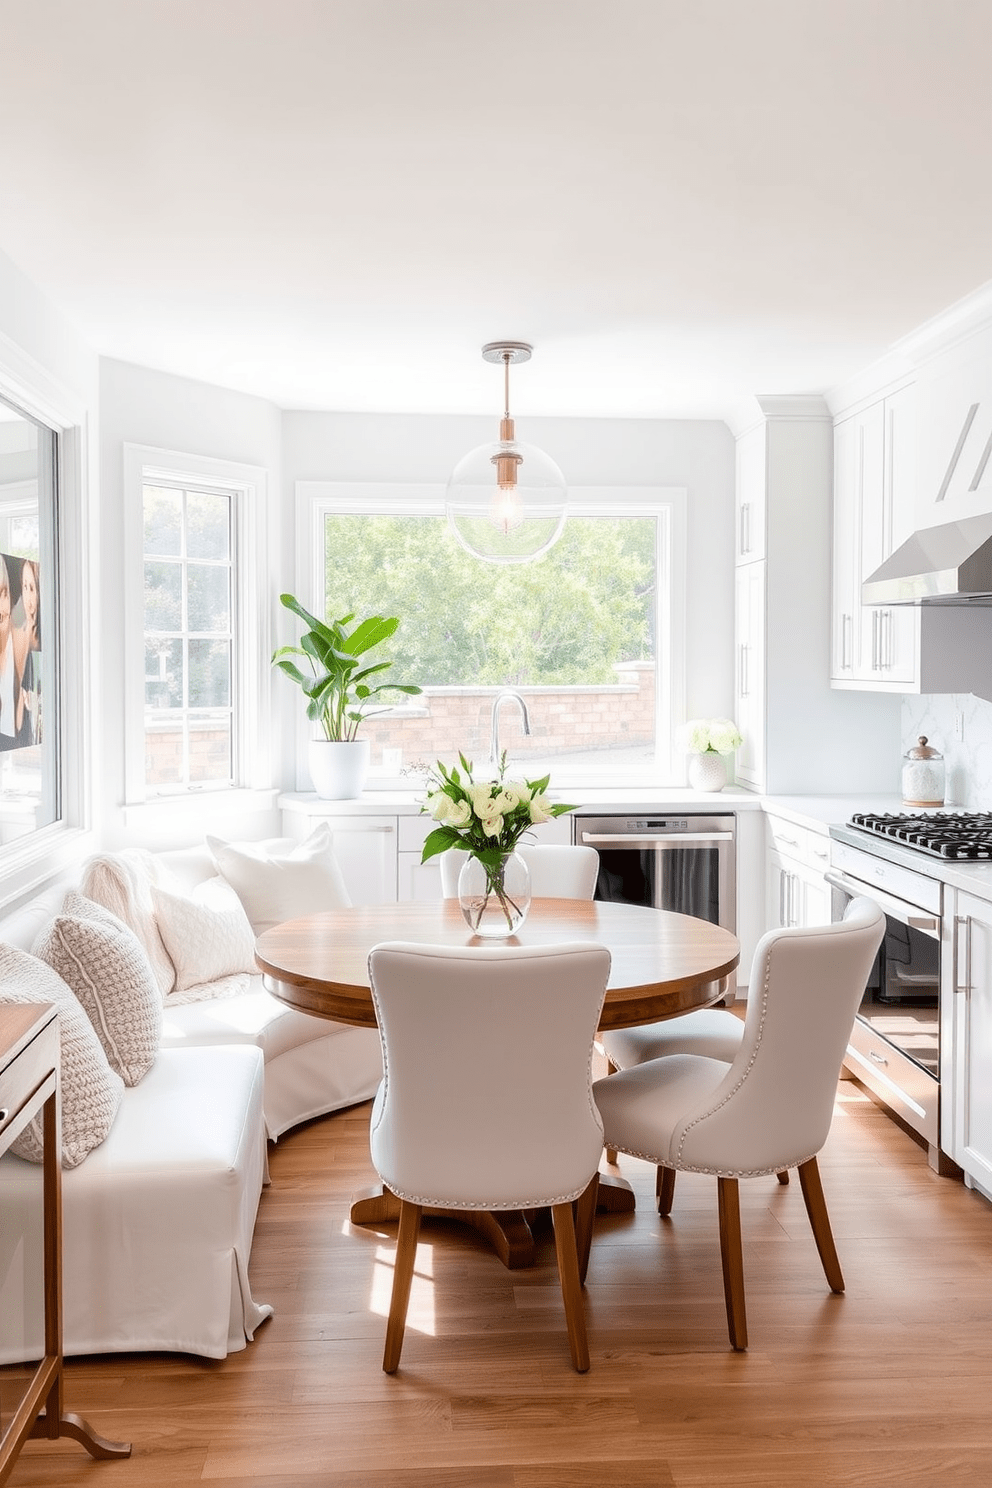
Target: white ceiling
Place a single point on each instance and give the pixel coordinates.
(334, 203)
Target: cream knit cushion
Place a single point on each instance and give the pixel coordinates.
(122, 882)
(91, 1090)
(105, 965)
(275, 886)
(204, 941)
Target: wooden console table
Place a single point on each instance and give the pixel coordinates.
(29, 1083)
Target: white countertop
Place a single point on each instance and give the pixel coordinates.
(818, 813)
(635, 798)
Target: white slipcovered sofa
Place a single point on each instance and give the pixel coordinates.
(158, 1216)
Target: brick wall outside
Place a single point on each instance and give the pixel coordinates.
(444, 720)
(562, 720)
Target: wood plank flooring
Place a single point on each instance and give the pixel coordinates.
(889, 1384)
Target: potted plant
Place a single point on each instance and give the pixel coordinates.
(339, 691)
(707, 740)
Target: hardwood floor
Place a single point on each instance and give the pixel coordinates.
(889, 1384)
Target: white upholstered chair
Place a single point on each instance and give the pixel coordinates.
(467, 1117)
(713, 1032)
(557, 870)
(770, 1108)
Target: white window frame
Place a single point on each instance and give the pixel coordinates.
(29, 860)
(251, 748)
(316, 500)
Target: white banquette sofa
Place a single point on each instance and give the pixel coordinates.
(162, 1174)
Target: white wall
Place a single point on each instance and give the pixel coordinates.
(967, 759)
(141, 406)
(696, 454)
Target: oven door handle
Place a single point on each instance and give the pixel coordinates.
(663, 840)
(906, 914)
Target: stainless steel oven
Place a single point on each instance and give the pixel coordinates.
(895, 1045)
(678, 861)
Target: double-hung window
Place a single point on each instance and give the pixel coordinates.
(195, 658)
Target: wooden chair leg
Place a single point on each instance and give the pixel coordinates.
(728, 1193)
(664, 1187)
(611, 1152)
(406, 1255)
(585, 1215)
(816, 1208)
(783, 1177)
(571, 1286)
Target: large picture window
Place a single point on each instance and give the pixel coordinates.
(585, 636)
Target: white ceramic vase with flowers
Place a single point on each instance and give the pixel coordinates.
(708, 741)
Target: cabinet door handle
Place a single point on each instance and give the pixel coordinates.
(743, 665)
(846, 648)
(4, 1113)
(876, 1058)
(962, 923)
(745, 527)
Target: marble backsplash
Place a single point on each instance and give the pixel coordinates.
(960, 726)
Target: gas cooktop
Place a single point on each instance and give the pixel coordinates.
(961, 835)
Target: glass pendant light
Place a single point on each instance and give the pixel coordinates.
(505, 501)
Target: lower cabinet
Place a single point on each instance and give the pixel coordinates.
(380, 854)
(966, 1067)
(796, 892)
(365, 846)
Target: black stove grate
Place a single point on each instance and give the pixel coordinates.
(964, 835)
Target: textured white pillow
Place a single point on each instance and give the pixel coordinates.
(122, 882)
(91, 1090)
(104, 964)
(275, 886)
(204, 942)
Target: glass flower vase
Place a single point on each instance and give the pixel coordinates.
(494, 898)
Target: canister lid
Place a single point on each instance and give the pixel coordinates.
(922, 750)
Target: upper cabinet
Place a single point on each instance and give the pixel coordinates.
(751, 469)
(873, 647)
(955, 443)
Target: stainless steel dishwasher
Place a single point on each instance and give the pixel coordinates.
(683, 862)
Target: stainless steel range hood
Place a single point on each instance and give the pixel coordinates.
(946, 565)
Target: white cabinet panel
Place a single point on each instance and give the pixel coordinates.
(751, 478)
(872, 646)
(955, 447)
(967, 1068)
(365, 847)
(750, 669)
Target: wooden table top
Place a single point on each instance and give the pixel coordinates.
(664, 964)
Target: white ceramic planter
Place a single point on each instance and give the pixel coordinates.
(338, 769)
(707, 772)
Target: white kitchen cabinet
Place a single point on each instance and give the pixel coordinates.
(751, 472)
(790, 716)
(749, 682)
(796, 892)
(364, 845)
(955, 442)
(967, 1066)
(872, 647)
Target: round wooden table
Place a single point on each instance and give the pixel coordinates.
(663, 964)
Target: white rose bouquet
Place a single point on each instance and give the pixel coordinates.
(711, 736)
(486, 818)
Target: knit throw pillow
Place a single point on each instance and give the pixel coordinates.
(122, 882)
(207, 934)
(105, 965)
(91, 1090)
